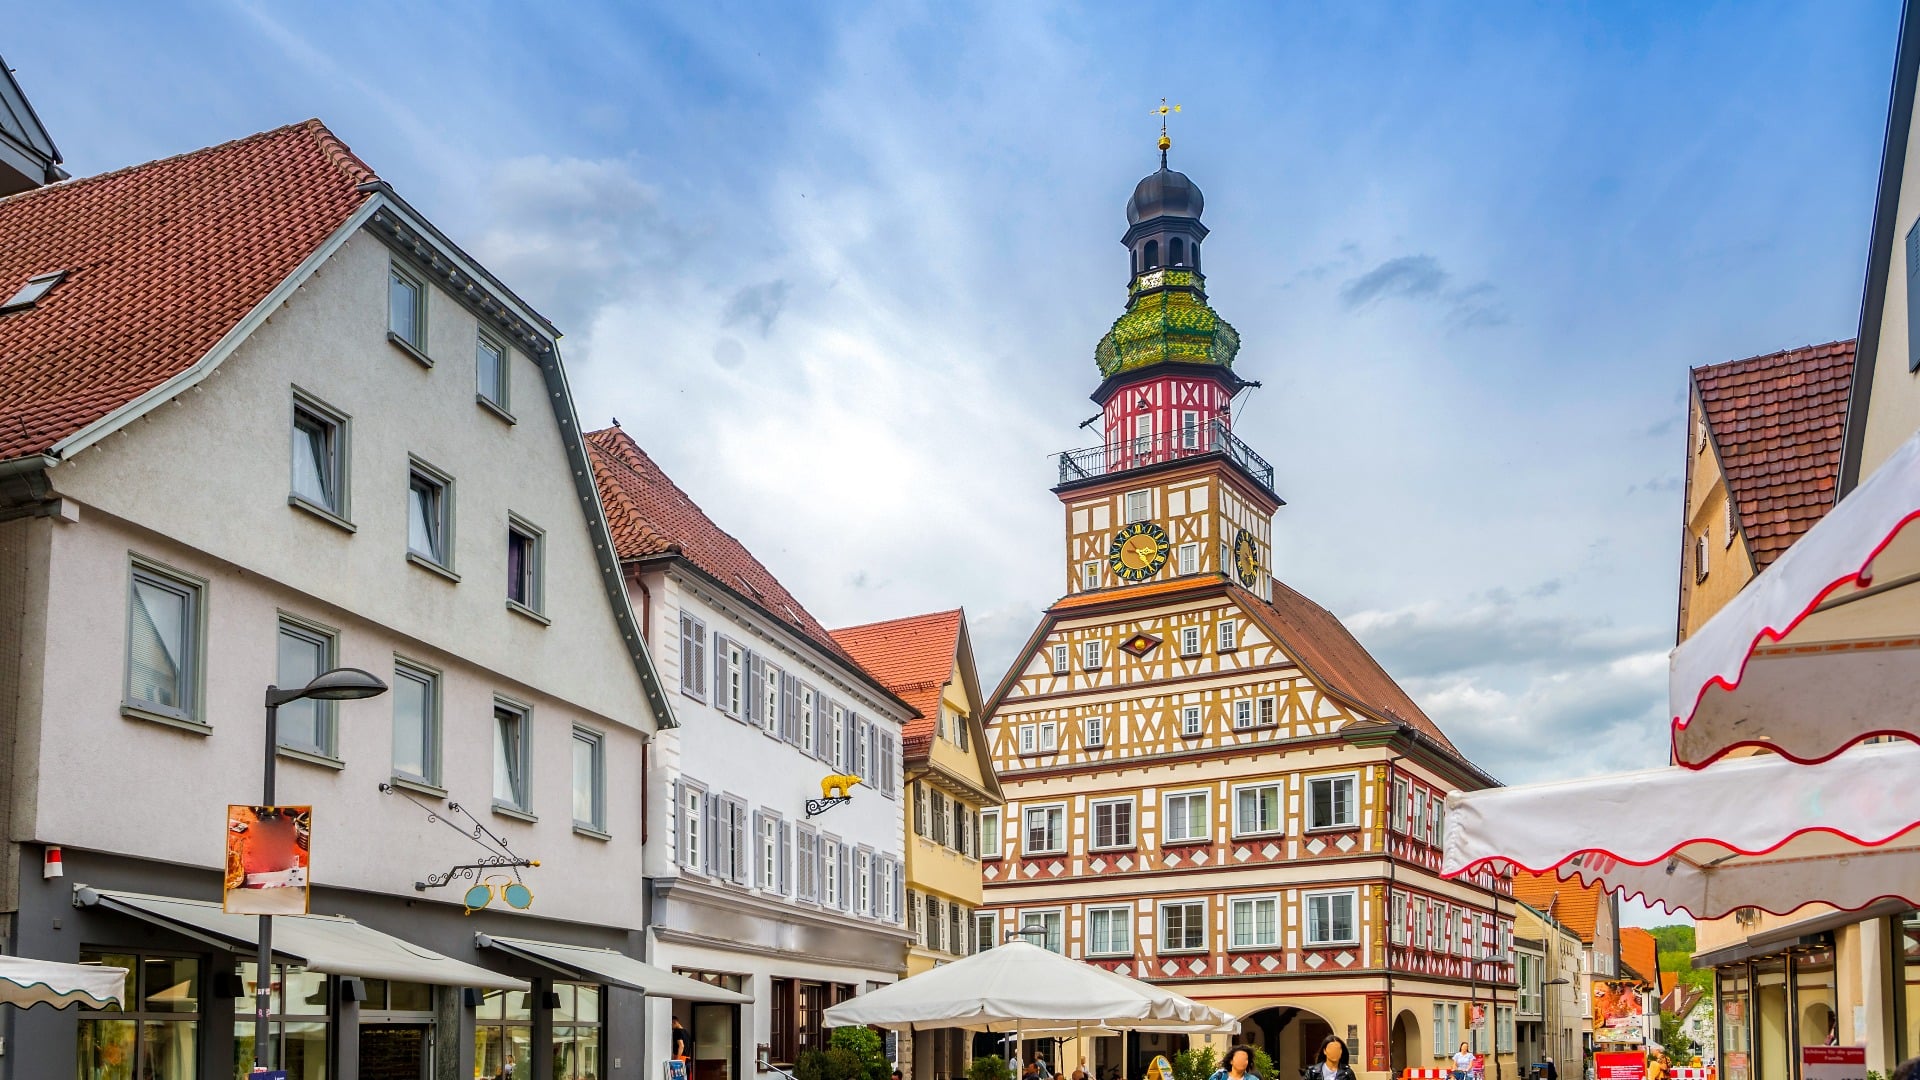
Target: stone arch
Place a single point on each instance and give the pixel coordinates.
(1407, 1046)
(1290, 1034)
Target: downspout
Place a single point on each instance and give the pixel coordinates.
(1392, 866)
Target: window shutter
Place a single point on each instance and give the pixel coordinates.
(850, 740)
(846, 878)
(1913, 297)
(710, 807)
(965, 839)
(689, 662)
(680, 821)
(784, 859)
(719, 698)
(789, 707)
(756, 672)
(919, 809)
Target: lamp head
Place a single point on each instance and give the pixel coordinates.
(343, 684)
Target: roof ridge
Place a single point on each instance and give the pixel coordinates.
(1777, 354)
(80, 181)
(339, 152)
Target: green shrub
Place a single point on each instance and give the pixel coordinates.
(1263, 1064)
(1195, 1064)
(870, 1054)
(991, 1067)
(833, 1063)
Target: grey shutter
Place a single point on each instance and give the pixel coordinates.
(789, 707)
(876, 878)
(679, 819)
(1913, 297)
(710, 809)
(819, 721)
(757, 682)
(742, 850)
(919, 810)
(689, 663)
(783, 858)
(719, 698)
(846, 878)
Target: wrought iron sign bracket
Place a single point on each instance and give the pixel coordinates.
(816, 807)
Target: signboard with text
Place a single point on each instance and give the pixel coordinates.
(267, 852)
(1833, 1063)
(1619, 1066)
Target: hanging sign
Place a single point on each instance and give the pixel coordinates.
(267, 852)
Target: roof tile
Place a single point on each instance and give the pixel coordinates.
(914, 658)
(162, 260)
(1569, 903)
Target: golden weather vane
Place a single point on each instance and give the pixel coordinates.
(1165, 142)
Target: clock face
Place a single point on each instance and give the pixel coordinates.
(1138, 551)
(1246, 558)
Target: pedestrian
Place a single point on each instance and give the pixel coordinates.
(1331, 1062)
(1080, 1071)
(1237, 1066)
(1463, 1063)
(679, 1041)
(1657, 1066)
(1907, 1070)
(1030, 1071)
(1552, 1073)
(1045, 1073)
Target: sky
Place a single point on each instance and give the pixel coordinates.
(840, 269)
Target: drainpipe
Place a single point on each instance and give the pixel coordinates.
(1393, 1017)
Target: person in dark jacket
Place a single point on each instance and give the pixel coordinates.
(1331, 1062)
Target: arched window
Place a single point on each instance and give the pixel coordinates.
(1153, 254)
(1176, 252)
(1136, 261)
(1196, 254)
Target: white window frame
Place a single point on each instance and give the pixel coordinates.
(1397, 917)
(1093, 825)
(1143, 434)
(1090, 574)
(1055, 922)
(1137, 505)
(1205, 835)
(1419, 812)
(986, 930)
(1243, 714)
(1062, 659)
(440, 522)
(1279, 808)
(806, 860)
(483, 343)
(1192, 721)
(1096, 731)
(1189, 641)
(1029, 738)
(990, 833)
(767, 863)
(429, 723)
(1162, 924)
(1123, 914)
(597, 742)
(1234, 904)
(832, 888)
(1189, 558)
(863, 882)
(731, 698)
(1307, 900)
(521, 801)
(1266, 711)
(807, 707)
(1229, 635)
(1352, 821)
(1059, 844)
(1189, 429)
(839, 735)
(690, 845)
(337, 473)
(1049, 736)
(536, 569)
(1091, 655)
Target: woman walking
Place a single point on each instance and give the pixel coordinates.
(1331, 1062)
(1463, 1063)
(1238, 1066)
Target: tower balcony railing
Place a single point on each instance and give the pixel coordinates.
(1123, 455)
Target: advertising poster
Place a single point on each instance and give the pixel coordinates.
(1617, 1014)
(1477, 1017)
(1833, 1063)
(1619, 1066)
(267, 851)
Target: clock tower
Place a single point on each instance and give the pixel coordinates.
(1170, 491)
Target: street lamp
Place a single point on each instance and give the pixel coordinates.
(1011, 1040)
(340, 684)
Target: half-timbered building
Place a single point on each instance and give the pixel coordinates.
(1209, 782)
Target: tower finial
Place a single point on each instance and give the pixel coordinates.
(1165, 142)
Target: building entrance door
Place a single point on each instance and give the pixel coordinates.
(714, 1039)
(396, 1051)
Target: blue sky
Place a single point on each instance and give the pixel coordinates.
(841, 270)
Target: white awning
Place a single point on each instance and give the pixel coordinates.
(1822, 649)
(328, 943)
(613, 968)
(25, 983)
(1758, 831)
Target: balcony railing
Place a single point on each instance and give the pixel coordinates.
(1212, 437)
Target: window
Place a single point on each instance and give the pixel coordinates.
(957, 922)
(164, 634)
(1096, 730)
(1049, 927)
(1029, 738)
(1330, 802)
(963, 829)
(1189, 556)
(1090, 655)
(1256, 810)
(1090, 574)
(1254, 922)
(1183, 926)
(731, 856)
(1243, 714)
(1397, 919)
(1140, 503)
(1439, 806)
(1046, 830)
(934, 923)
(1190, 430)
(938, 819)
(693, 657)
(304, 652)
(990, 834)
(830, 873)
(416, 723)
(1142, 442)
(1185, 820)
(31, 293)
(1112, 824)
(1402, 808)
(1229, 635)
(1419, 815)
(319, 456)
(769, 698)
(806, 719)
(430, 515)
(406, 310)
(961, 727)
(1729, 524)
(730, 678)
(1330, 919)
(160, 1029)
(920, 798)
(1446, 1028)
(806, 864)
(1110, 931)
(1700, 425)
(526, 554)
(1503, 1029)
(838, 733)
(1060, 659)
(1190, 722)
(1049, 737)
(490, 366)
(1264, 713)
(1189, 641)
(503, 1031)
(512, 753)
(986, 930)
(692, 835)
(862, 882)
(1700, 558)
(589, 779)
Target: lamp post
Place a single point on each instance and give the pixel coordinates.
(339, 684)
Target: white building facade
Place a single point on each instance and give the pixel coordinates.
(760, 883)
(378, 467)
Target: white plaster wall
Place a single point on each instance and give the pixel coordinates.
(1895, 404)
(213, 470)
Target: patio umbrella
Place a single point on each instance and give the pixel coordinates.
(1822, 649)
(1758, 831)
(25, 983)
(1021, 987)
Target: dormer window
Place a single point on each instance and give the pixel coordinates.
(30, 293)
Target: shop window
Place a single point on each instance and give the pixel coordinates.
(159, 1035)
(296, 1021)
(503, 1032)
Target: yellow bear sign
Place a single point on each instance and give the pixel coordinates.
(838, 787)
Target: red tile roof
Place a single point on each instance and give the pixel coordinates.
(914, 657)
(162, 260)
(1776, 422)
(649, 515)
(1568, 903)
(1640, 954)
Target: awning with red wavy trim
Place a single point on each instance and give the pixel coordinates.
(1758, 831)
(1822, 649)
